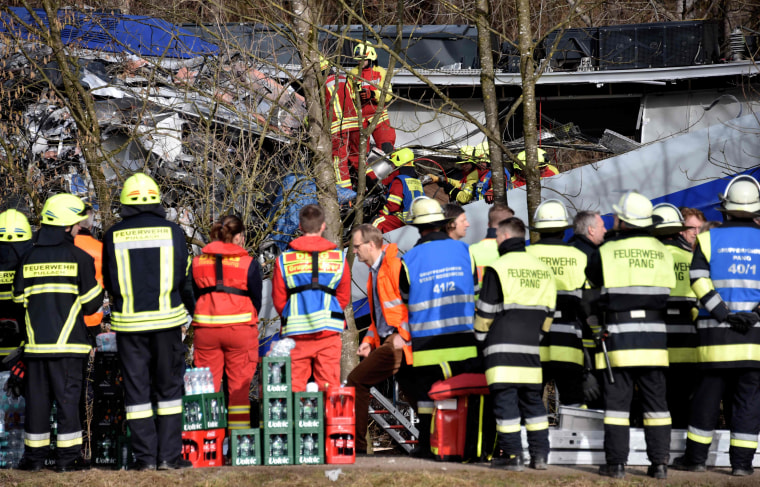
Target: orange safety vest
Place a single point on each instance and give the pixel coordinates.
(393, 308)
(339, 100)
(94, 247)
(221, 273)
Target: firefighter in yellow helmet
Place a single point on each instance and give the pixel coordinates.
(15, 241)
(145, 270)
(547, 170)
(55, 281)
(370, 79)
(462, 190)
(403, 188)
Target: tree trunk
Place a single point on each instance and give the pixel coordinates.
(490, 101)
(306, 16)
(530, 132)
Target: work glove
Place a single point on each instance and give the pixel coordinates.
(742, 322)
(386, 147)
(489, 196)
(591, 389)
(365, 95)
(14, 386)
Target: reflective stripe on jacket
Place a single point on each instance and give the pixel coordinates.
(230, 304)
(312, 304)
(441, 302)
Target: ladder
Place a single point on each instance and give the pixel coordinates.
(398, 423)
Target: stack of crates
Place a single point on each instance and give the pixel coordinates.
(204, 422)
(340, 419)
(277, 411)
(309, 428)
(108, 428)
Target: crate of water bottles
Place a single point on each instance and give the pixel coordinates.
(202, 408)
(11, 427)
(277, 405)
(246, 447)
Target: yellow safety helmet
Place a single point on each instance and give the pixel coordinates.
(541, 158)
(551, 216)
(402, 157)
(671, 219)
(365, 51)
(63, 210)
(466, 154)
(427, 210)
(140, 189)
(14, 227)
(635, 209)
(482, 151)
(742, 195)
(323, 63)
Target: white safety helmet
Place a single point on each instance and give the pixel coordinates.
(742, 195)
(426, 211)
(551, 216)
(671, 219)
(635, 209)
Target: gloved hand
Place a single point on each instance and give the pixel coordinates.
(489, 196)
(591, 389)
(365, 95)
(742, 322)
(14, 386)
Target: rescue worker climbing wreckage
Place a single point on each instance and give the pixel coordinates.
(55, 281)
(403, 188)
(146, 273)
(514, 310)
(344, 122)
(563, 357)
(463, 190)
(439, 294)
(370, 79)
(724, 278)
(635, 272)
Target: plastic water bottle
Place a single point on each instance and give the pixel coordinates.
(307, 411)
(308, 445)
(244, 447)
(188, 384)
(275, 373)
(277, 446)
(208, 381)
(277, 410)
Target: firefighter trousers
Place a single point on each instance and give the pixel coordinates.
(568, 381)
(745, 418)
(617, 405)
(153, 366)
(49, 379)
(682, 381)
(416, 383)
(510, 404)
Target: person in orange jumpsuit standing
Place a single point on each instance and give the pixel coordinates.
(228, 287)
(311, 286)
(371, 79)
(344, 121)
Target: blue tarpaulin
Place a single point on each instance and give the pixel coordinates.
(139, 35)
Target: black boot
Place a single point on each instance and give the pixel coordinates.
(683, 463)
(422, 450)
(742, 472)
(538, 462)
(614, 470)
(504, 461)
(658, 471)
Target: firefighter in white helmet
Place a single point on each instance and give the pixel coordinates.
(724, 276)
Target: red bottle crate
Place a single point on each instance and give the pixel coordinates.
(339, 445)
(203, 448)
(339, 406)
